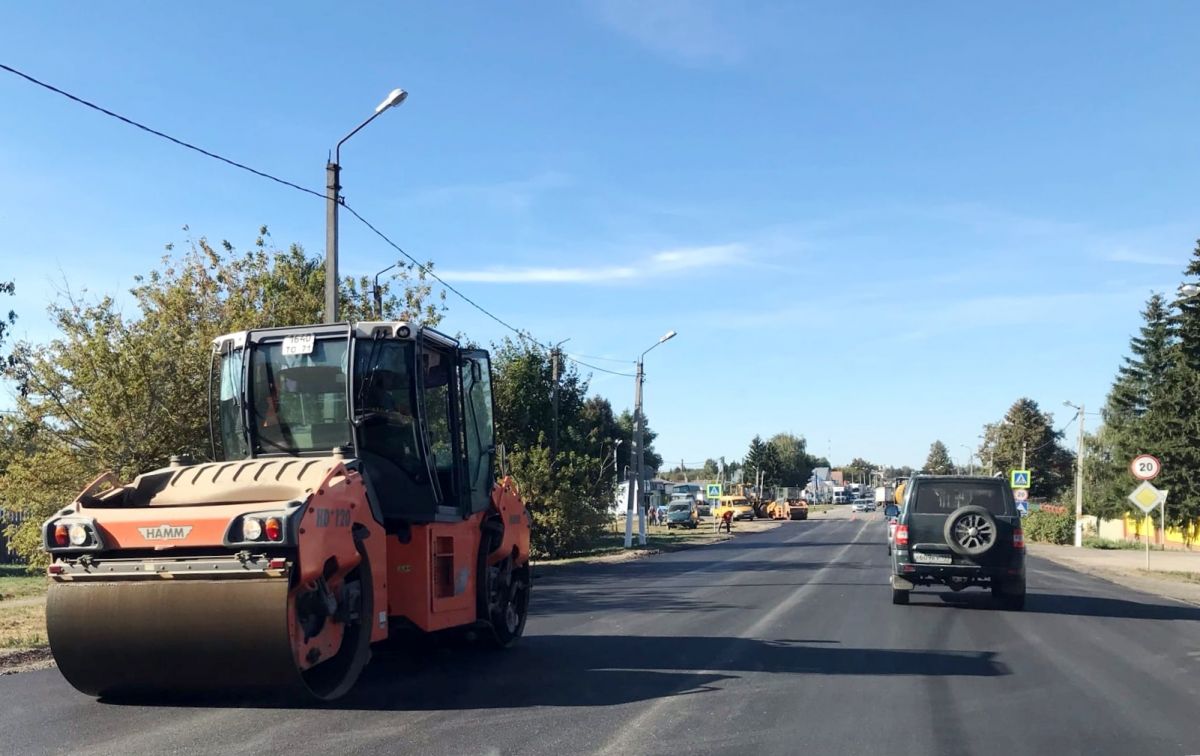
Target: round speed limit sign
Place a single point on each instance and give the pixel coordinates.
(1145, 467)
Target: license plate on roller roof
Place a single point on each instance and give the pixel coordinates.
(923, 558)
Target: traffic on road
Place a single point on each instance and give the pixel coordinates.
(601, 377)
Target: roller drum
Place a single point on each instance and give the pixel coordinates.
(133, 637)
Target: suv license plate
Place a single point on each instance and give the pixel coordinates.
(921, 558)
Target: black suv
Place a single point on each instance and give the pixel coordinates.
(959, 531)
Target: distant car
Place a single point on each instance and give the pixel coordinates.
(703, 511)
(742, 510)
(892, 513)
(682, 514)
(862, 505)
(959, 531)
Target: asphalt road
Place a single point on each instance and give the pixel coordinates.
(783, 642)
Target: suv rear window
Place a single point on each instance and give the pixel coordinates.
(944, 498)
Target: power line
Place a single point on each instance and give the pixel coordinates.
(594, 367)
(426, 269)
(157, 133)
(422, 267)
(603, 359)
(429, 272)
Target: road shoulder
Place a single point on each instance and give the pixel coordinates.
(1177, 577)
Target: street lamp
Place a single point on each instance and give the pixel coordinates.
(333, 170)
(970, 459)
(639, 457)
(1079, 476)
(377, 293)
(1187, 291)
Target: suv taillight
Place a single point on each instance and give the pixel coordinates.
(1018, 538)
(901, 536)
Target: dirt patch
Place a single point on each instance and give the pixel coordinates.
(17, 660)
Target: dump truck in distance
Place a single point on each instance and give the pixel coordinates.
(351, 495)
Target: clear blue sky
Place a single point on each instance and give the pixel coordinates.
(873, 225)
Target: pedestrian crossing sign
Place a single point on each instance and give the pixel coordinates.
(1020, 479)
(712, 491)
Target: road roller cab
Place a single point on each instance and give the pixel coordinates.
(351, 493)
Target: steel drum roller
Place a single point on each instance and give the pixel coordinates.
(137, 636)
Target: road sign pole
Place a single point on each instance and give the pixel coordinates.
(1149, 524)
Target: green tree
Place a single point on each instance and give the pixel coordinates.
(1134, 421)
(568, 504)
(7, 319)
(523, 386)
(123, 393)
(1026, 431)
(1171, 425)
(795, 465)
(754, 459)
(858, 469)
(938, 462)
(652, 458)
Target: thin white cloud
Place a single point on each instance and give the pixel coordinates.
(1124, 255)
(516, 195)
(671, 261)
(686, 31)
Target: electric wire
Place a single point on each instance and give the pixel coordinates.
(157, 133)
(522, 334)
(602, 370)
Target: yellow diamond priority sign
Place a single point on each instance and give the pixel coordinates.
(1146, 497)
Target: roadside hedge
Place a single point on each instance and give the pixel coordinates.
(1050, 527)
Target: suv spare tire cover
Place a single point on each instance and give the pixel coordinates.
(982, 520)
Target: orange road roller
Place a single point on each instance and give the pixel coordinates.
(351, 496)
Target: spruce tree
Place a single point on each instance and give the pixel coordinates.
(938, 462)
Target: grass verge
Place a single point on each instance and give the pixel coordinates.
(22, 608)
(1176, 575)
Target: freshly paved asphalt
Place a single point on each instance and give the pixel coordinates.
(783, 642)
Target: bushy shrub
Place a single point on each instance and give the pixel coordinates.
(1092, 542)
(567, 503)
(1049, 527)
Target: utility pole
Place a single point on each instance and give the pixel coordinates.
(554, 401)
(555, 356)
(643, 498)
(639, 456)
(1023, 445)
(1079, 478)
(333, 173)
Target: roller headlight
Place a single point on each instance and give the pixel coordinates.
(79, 534)
(251, 528)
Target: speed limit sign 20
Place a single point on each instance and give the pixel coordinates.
(1145, 467)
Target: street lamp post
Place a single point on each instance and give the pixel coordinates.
(639, 455)
(1078, 477)
(970, 459)
(376, 292)
(333, 171)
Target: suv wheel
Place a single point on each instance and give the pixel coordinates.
(971, 531)
(899, 597)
